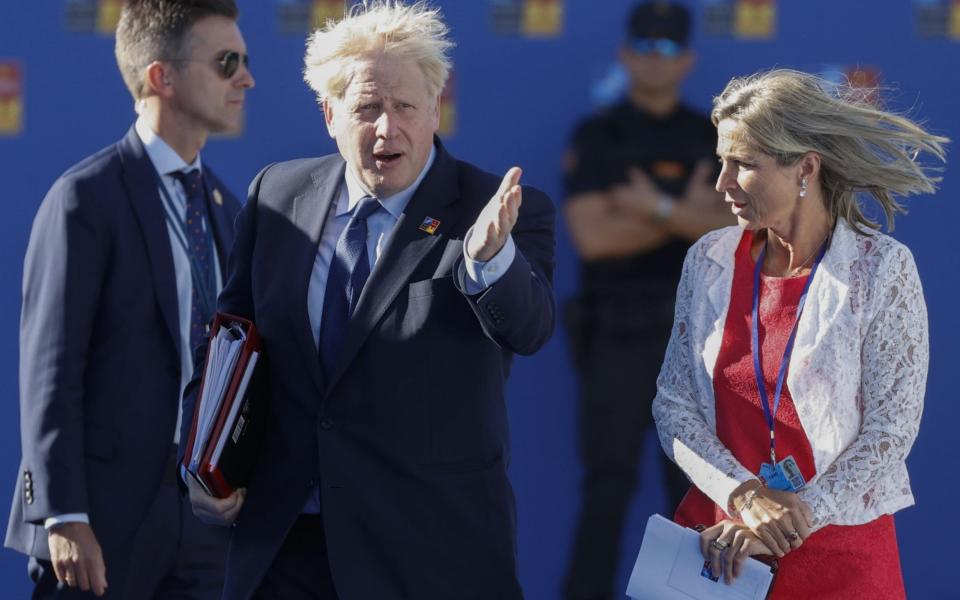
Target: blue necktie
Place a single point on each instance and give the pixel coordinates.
(349, 270)
(198, 239)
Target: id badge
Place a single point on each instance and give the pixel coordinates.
(791, 473)
(785, 476)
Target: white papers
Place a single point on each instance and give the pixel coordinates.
(222, 356)
(228, 431)
(669, 567)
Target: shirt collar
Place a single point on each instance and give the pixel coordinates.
(164, 158)
(394, 204)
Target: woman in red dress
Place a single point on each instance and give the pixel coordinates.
(793, 384)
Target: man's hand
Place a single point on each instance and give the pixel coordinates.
(701, 192)
(77, 558)
(215, 511)
(639, 196)
(497, 219)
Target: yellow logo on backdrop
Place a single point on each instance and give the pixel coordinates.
(92, 16)
(323, 10)
(108, 15)
(542, 18)
(11, 98)
(954, 28)
(755, 18)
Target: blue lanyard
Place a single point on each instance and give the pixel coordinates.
(204, 288)
(769, 413)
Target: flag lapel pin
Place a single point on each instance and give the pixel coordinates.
(429, 225)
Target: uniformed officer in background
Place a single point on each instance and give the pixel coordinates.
(639, 183)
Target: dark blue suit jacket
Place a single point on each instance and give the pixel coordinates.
(99, 350)
(408, 437)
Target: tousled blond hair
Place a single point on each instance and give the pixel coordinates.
(379, 26)
(863, 149)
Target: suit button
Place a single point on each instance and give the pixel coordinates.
(326, 424)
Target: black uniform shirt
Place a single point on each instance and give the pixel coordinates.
(604, 148)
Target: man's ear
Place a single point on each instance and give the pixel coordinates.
(328, 117)
(158, 79)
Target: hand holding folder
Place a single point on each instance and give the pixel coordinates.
(228, 415)
(671, 566)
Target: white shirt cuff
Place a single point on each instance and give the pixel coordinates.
(67, 518)
(481, 275)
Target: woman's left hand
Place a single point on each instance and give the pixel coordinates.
(726, 545)
(780, 519)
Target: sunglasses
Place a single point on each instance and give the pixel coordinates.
(664, 47)
(227, 64)
(230, 62)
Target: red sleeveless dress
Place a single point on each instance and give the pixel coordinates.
(836, 562)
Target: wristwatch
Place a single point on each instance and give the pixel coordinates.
(665, 205)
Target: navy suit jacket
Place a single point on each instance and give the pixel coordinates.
(408, 437)
(99, 349)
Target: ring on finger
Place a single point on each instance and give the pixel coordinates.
(719, 544)
(793, 536)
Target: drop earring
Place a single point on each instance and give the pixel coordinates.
(803, 187)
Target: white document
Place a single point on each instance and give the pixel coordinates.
(222, 357)
(228, 428)
(670, 564)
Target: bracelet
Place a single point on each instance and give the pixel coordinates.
(748, 498)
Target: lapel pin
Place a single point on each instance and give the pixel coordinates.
(217, 197)
(429, 225)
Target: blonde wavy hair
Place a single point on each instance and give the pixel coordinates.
(412, 31)
(864, 150)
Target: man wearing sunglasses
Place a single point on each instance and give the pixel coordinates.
(639, 191)
(125, 260)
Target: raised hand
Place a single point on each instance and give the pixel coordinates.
(496, 220)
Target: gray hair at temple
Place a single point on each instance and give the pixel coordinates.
(863, 149)
(415, 31)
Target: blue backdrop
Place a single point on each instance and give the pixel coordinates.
(517, 94)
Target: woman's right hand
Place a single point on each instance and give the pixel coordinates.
(780, 519)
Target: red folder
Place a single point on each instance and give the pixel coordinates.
(238, 422)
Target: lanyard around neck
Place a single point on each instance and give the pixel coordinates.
(206, 289)
(770, 412)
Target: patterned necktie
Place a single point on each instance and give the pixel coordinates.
(349, 270)
(198, 240)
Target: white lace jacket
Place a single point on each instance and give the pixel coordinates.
(857, 374)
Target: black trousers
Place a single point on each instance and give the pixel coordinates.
(619, 358)
(174, 557)
(301, 569)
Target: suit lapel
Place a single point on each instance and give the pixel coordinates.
(140, 180)
(408, 245)
(310, 210)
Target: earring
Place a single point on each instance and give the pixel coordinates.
(803, 187)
